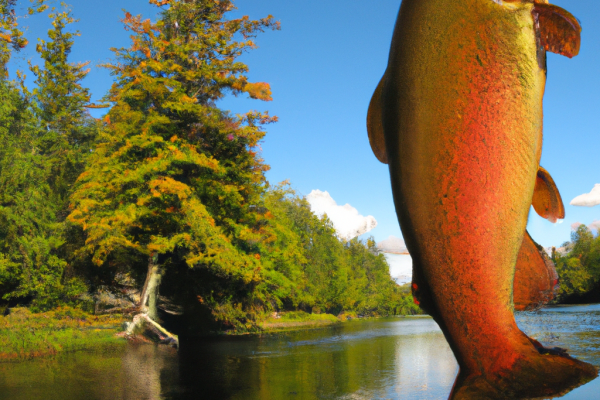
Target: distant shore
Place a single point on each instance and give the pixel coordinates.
(293, 321)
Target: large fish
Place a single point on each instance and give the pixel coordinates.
(458, 118)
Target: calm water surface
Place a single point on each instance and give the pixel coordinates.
(396, 358)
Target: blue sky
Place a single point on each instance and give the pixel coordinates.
(323, 67)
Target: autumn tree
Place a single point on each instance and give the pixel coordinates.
(11, 36)
(171, 191)
(175, 179)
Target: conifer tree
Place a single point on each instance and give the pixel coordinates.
(175, 178)
(59, 101)
(31, 231)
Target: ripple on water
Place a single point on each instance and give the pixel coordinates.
(575, 328)
(395, 358)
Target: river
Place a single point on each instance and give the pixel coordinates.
(391, 358)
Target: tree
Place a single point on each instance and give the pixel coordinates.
(11, 37)
(37, 169)
(579, 267)
(176, 179)
(322, 273)
(59, 101)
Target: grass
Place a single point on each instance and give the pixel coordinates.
(298, 320)
(24, 335)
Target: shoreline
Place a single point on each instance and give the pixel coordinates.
(25, 335)
(274, 326)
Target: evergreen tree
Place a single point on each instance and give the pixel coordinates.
(31, 232)
(59, 101)
(176, 179)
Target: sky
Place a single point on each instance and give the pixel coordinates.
(323, 66)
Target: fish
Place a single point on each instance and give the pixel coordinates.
(458, 117)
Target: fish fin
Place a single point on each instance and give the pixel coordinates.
(535, 276)
(375, 125)
(546, 197)
(559, 31)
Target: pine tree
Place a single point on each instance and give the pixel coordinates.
(59, 101)
(31, 203)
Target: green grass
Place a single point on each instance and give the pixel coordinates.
(24, 335)
(293, 320)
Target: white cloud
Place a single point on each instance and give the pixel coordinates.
(593, 226)
(590, 199)
(346, 220)
(392, 245)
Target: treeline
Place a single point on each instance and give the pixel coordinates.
(164, 196)
(578, 266)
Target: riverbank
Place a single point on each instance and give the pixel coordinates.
(25, 335)
(298, 320)
(295, 320)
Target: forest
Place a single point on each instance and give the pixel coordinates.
(161, 207)
(578, 266)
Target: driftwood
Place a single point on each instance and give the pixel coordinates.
(143, 324)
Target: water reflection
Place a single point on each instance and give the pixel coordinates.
(368, 359)
(399, 358)
(425, 367)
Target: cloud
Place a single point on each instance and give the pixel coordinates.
(590, 199)
(575, 225)
(346, 220)
(392, 245)
(593, 226)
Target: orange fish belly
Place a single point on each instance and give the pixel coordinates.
(463, 94)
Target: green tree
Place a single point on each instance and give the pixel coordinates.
(36, 146)
(327, 274)
(59, 101)
(582, 239)
(579, 267)
(574, 279)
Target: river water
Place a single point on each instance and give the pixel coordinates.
(393, 358)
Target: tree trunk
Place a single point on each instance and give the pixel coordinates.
(149, 297)
(146, 320)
